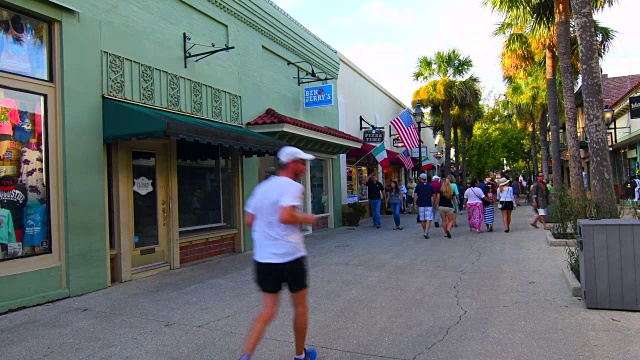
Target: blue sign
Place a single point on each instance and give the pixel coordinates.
(318, 96)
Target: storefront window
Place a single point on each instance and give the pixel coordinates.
(356, 187)
(319, 186)
(24, 47)
(206, 187)
(24, 225)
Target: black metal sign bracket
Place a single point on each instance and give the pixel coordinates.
(187, 51)
(372, 127)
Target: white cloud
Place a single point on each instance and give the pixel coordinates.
(374, 13)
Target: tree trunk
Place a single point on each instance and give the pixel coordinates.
(544, 145)
(534, 148)
(463, 176)
(563, 40)
(601, 173)
(455, 146)
(554, 122)
(446, 114)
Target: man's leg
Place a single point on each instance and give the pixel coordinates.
(268, 312)
(300, 319)
(542, 220)
(375, 209)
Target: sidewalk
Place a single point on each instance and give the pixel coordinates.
(375, 294)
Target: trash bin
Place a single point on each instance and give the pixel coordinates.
(609, 253)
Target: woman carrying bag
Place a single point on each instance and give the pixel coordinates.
(506, 201)
(474, 198)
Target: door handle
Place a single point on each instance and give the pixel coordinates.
(164, 213)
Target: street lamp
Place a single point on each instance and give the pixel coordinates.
(418, 116)
(608, 119)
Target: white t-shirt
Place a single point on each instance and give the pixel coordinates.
(274, 242)
(474, 195)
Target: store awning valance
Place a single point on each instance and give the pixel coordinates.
(302, 134)
(126, 121)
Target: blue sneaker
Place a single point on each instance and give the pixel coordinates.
(310, 354)
(245, 357)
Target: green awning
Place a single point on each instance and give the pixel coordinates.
(125, 121)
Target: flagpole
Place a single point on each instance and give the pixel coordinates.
(370, 151)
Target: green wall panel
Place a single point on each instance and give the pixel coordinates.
(83, 156)
(31, 288)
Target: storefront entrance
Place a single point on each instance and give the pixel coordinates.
(143, 209)
(149, 245)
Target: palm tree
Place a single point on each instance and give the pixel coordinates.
(601, 172)
(445, 88)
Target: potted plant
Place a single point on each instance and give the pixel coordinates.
(353, 217)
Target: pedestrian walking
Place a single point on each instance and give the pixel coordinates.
(423, 200)
(410, 186)
(506, 202)
(540, 195)
(445, 200)
(456, 200)
(435, 182)
(473, 201)
(515, 185)
(489, 210)
(403, 196)
(279, 254)
(394, 200)
(376, 194)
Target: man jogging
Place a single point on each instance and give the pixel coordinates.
(423, 200)
(274, 216)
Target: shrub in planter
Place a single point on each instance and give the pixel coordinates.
(353, 217)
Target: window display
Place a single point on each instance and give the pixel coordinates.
(24, 46)
(206, 186)
(24, 216)
(356, 187)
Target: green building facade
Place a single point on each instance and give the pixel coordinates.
(148, 151)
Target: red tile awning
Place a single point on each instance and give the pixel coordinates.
(305, 135)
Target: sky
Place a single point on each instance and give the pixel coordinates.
(385, 38)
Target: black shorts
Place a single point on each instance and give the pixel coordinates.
(507, 205)
(270, 276)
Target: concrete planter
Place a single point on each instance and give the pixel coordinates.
(572, 282)
(551, 241)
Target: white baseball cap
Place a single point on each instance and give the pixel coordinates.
(435, 177)
(290, 153)
(423, 176)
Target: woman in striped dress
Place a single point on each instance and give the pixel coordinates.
(489, 211)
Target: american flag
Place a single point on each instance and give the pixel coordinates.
(406, 159)
(406, 128)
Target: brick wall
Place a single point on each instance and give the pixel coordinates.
(207, 248)
(322, 223)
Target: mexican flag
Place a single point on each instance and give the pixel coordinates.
(381, 155)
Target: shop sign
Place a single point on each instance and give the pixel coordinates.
(142, 185)
(633, 153)
(373, 136)
(634, 107)
(397, 142)
(318, 96)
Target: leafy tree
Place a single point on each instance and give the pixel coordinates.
(496, 137)
(446, 88)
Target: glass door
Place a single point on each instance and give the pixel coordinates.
(149, 243)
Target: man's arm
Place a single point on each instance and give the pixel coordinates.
(289, 215)
(248, 219)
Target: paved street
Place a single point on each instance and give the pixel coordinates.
(375, 294)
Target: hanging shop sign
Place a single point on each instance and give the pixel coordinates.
(634, 107)
(373, 136)
(397, 142)
(318, 96)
